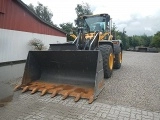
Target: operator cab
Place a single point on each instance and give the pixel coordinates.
(90, 29)
(94, 23)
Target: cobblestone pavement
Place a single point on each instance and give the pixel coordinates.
(133, 93)
(35, 107)
(136, 84)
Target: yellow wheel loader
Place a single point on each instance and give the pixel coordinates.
(77, 68)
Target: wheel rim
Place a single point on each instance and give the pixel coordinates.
(120, 57)
(111, 61)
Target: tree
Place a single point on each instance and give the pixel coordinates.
(120, 35)
(42, 11)
(31, 6)
(82, 9)
(135, 41)
(68, 27)
(156, 40)
(124, 41)
(130, 41)
(146, 40)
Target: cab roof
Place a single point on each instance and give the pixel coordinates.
(96, 15)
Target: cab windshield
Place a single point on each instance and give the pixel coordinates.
(96, 23)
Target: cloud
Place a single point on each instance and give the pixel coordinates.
(140, 25)
(136, 16)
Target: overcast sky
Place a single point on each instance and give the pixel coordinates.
(136, 16)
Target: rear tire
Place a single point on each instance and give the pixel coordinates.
(108, 59)
(118, 61)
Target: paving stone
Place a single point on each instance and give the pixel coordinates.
(96, 118)
(111, 111)
(104, 115)
(98, 114)
(133, 116)
(113, 115)
(112, 118)
(116, 108)
(156, 118)
(144, 113)
(138, 117)
(124, 114)
(126, 118)
(156, 113)
(147, 117)
(120, 118)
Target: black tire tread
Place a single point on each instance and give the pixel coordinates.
(105, 51)
(117, 64)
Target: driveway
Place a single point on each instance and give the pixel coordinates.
(132, 93)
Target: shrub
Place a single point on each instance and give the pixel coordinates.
(37, 44)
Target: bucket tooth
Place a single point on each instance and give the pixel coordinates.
(66, 93)
(56, 91)
(44, 92)
(90, 100)
(34, 90)
(17, 87)
(65, 96)
(26, 88)
(77, 97)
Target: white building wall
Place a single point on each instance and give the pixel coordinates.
(14, 44)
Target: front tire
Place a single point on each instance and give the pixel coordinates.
(108, 59)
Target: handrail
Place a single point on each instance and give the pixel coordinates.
(90, 46)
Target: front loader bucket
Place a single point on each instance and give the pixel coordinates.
(69, 73)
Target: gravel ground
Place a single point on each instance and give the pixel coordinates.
(136, 84)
